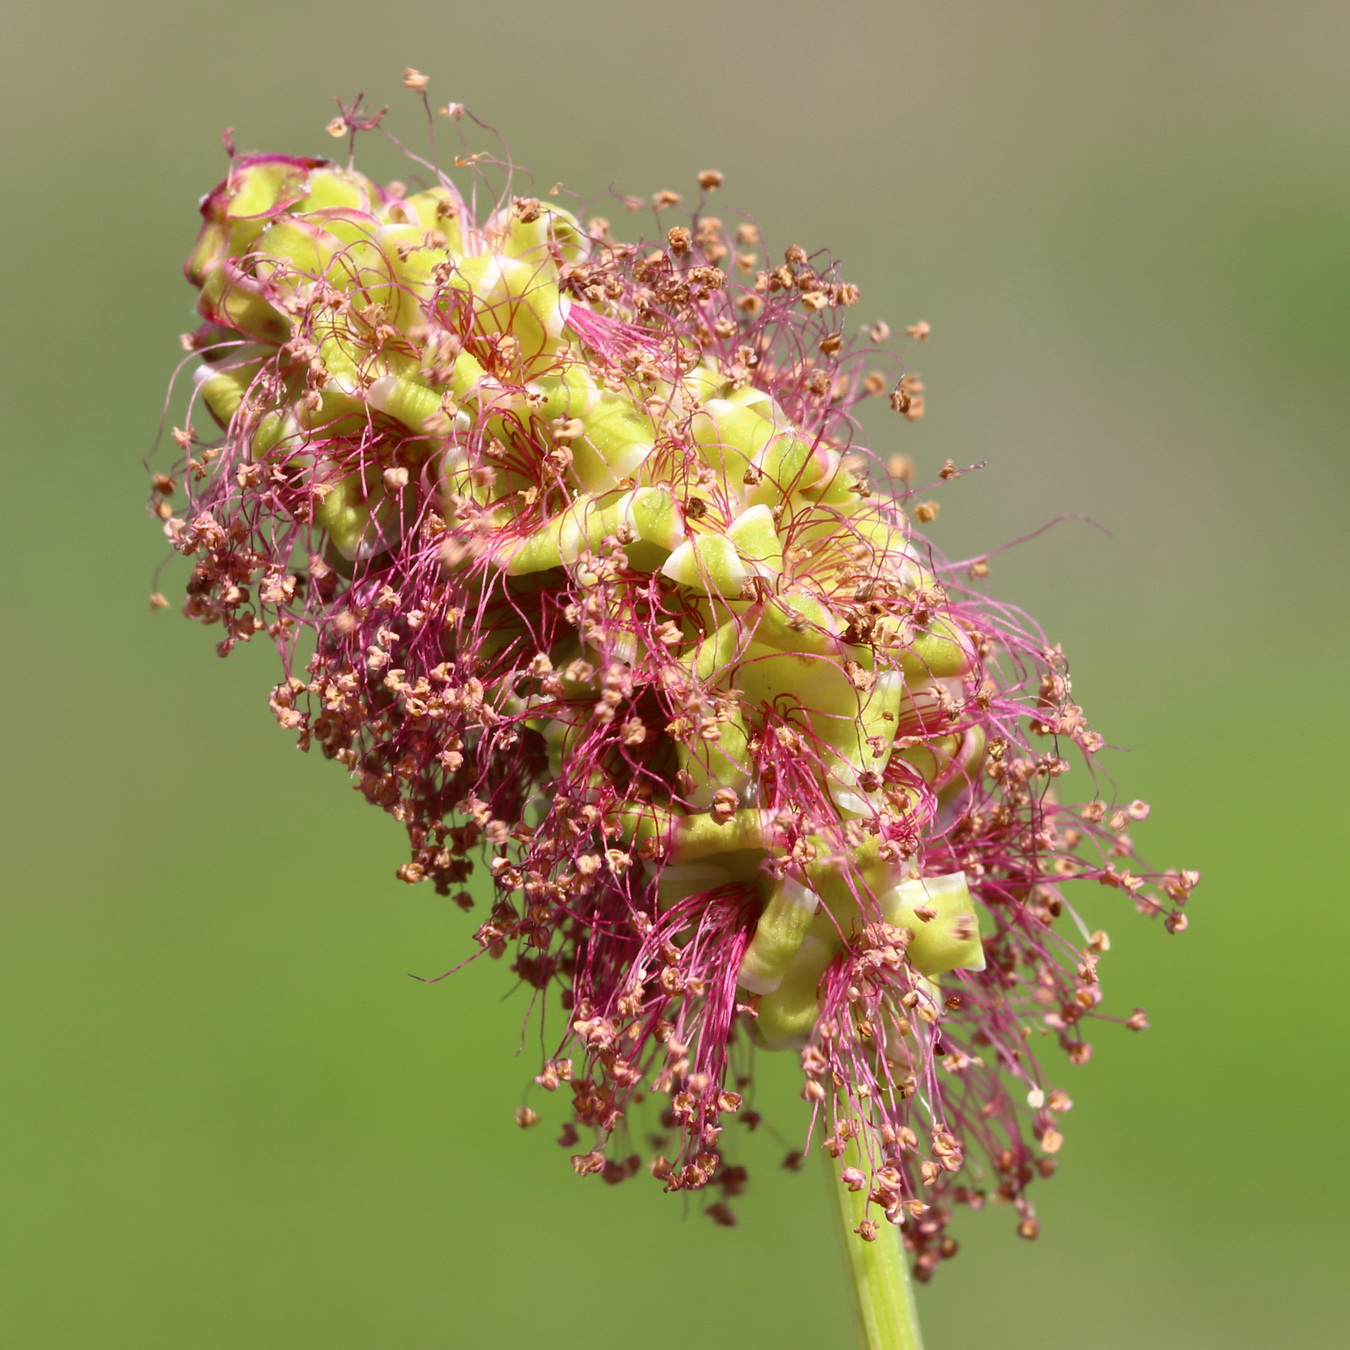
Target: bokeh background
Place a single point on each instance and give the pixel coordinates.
(231, 1119)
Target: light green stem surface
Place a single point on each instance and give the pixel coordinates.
(882, 1294)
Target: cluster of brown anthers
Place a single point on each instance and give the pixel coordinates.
(570, 556)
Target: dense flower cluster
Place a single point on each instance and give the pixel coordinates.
(570, 558)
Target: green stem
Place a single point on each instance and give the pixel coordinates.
(883, 1297)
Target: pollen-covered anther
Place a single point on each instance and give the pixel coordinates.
(853, 1178)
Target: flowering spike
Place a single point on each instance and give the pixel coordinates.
(570, 557)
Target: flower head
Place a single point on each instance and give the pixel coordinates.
(572, 558)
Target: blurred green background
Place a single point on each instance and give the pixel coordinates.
(231, 1119)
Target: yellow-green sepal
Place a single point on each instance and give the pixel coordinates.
(223, 389)
(778, 938)
(713, 765)
(617, 436)
(940, 652)
(707, 564)
(946, 935)
(788, 1015)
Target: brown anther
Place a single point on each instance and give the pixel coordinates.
(919, 330)
(679, 239)
(665, 198)
(724, 805)
(525, 1117)
(925, 512)
(710, 180)
(414, 80)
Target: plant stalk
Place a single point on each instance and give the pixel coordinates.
(883, 1296)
